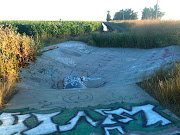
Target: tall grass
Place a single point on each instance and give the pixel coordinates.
(141, 34)
(165, 87)
(149, 34)
(15, 52)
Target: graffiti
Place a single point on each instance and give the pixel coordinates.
(111, 128)
(107, 121)
(53, 74)
(73, 122)
(78, 97)
(49, 72)
(46, 126)
(151, 117)
(166, 54)
(9, 126)
(71, 82)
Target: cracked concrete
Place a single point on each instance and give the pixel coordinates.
(70, 98)
(118, 68)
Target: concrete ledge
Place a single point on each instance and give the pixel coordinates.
(70, 98)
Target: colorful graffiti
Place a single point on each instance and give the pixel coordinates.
(139, 119)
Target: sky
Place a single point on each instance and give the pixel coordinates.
(86, 10)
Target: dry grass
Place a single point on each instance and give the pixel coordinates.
(158, 32)
(140, 34)
(165, 87)
(15, 52)
(142, 21)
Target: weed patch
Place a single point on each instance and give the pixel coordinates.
(139, 34)
(15, 52)
(164, 86)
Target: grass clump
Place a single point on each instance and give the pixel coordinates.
(15, 52)
(164, 86)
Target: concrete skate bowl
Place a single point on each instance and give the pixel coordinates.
(100, 67)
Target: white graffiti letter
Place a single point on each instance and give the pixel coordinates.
(112, 128)
(109, 119)
(46, 127)
(151, 116)
(8, 127)
(73, 122)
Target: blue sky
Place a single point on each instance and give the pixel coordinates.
(79, 9)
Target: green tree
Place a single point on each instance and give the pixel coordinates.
(150, 13)
(127, 14)
(108, 16)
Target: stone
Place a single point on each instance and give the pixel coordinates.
(71, 82)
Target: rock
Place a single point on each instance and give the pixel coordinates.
(71, 82)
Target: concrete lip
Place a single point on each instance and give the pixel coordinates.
(71, 98)
(111, 104)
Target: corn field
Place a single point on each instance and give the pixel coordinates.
(53, 28)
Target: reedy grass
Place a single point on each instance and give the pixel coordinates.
(15, 52)
(164, 86)
(141, 34)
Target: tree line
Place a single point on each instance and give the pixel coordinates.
(129, 14)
